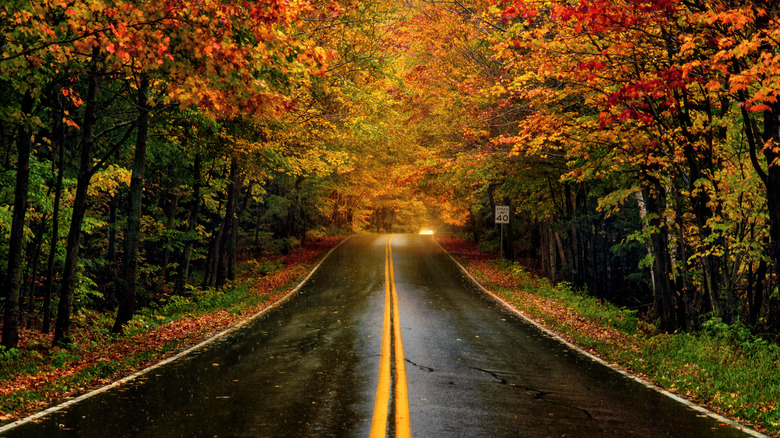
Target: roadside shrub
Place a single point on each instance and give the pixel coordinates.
(9, 354)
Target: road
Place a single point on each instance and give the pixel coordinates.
(312, 368)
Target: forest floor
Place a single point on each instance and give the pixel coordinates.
(717, 369)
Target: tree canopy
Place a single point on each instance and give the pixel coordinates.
(148, 146)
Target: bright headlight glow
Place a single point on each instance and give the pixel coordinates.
(426, 231)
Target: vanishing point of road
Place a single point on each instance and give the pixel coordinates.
(388, 337)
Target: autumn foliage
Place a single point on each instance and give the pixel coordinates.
(100, 91)
(148, 145)
(635, 142)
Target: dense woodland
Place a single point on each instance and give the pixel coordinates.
(148, 147)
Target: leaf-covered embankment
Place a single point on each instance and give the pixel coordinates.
(718, 368)
(34, 376)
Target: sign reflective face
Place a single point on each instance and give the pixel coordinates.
(502, 214)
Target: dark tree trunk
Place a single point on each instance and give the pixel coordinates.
(575, 262)
(128, 283)
(771, 136)
(767, 141)
(690, 298)
(475, 225)
(16, 244)
(232, 250)
(773, 202)
(192, 223)
(226, 249)
(169, 225)
(113, 206)
(756, 292)
(55, 231)
(699, 165)
(210, 275)
(509, 235)
(771, 179)
(32, 271)
(62, 325)
(665, 301)
(548, 252)
(258, 225)
(553, 254)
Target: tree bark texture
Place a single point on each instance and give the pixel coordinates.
(16, 244)
(55, 231)
(192, 223)
(62, 324)
(128, 283)
(665, 302)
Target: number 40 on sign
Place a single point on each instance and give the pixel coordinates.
(502, 214)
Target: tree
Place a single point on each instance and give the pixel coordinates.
(23, 141)
(129, 277)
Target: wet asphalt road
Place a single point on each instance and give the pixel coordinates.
(310, 369)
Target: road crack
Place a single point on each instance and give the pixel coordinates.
(422, 367)
(538, 393)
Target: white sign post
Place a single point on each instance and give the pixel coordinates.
(502, 217)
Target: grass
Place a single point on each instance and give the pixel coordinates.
(723, 367)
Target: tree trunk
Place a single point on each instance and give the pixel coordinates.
(258, 224)
(509, 235)
(62, 325)
(773, 203)
(767, 141)
(169, 225)
(232, 251)
(691, 298)
(665, 303)
(113, 206)
(32, 270)
(575, 264)
(756, 291)
(475, 224)
(55, 232)
(129, 282)
(192, 224)
(226, 250)
(245, 203)
(210, 275)
(771, 179)
(16, 244)
(543, 253)
(553, 253)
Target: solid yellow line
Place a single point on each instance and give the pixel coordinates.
(402, 422)
(382, 403)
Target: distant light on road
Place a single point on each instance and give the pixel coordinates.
(426, 231)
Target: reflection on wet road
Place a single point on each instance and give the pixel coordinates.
(312, 367)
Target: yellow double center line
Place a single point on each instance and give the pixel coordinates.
(391, 336)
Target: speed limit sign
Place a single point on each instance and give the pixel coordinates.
(502, 214)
